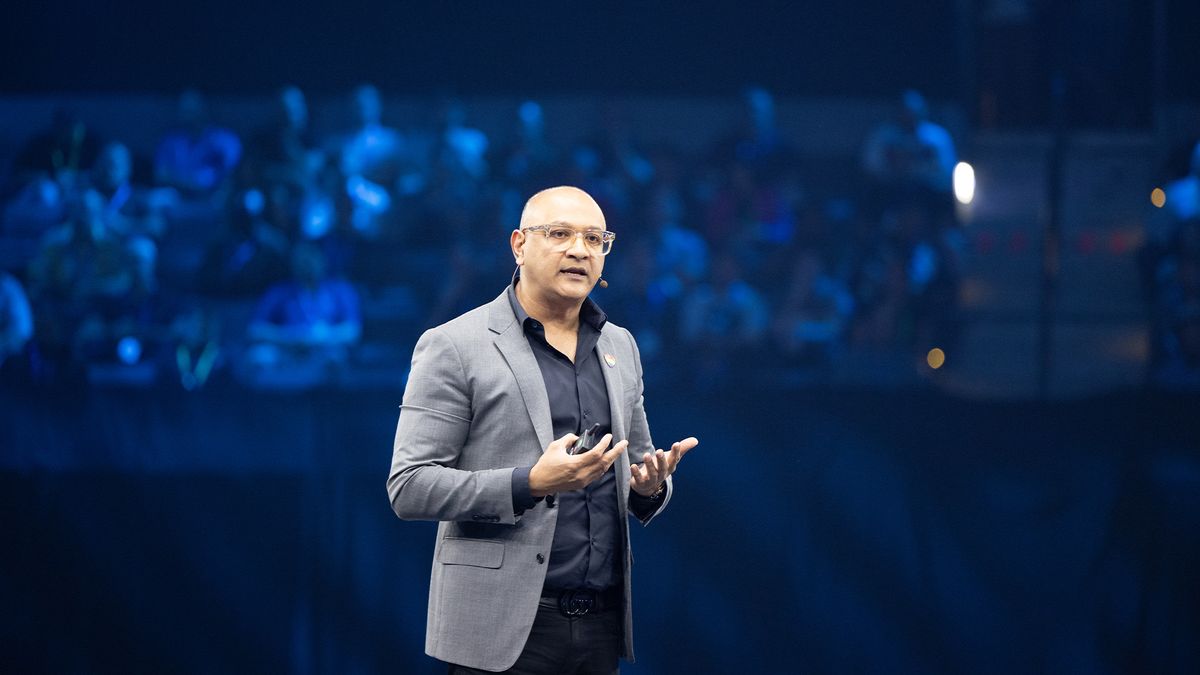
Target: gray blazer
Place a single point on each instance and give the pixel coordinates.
(476, 407)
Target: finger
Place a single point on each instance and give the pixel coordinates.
(564, 442)
(612, 455)
(681, 448)
(650, 466)
(676, 454)
(640, 475)
(661, 461)
(635, 474)
(650, 479)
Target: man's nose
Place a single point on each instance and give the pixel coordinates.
(578, 249)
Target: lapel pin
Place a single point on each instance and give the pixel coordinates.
(610, 360)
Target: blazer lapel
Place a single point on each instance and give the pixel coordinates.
(612, 380)
(616, 411)
(514, 347)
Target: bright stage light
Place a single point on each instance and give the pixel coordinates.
(964, 183)
(1158, 197)
(935, 358)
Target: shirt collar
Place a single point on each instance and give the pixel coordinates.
(589, 313)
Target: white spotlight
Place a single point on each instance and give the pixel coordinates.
(964, 183)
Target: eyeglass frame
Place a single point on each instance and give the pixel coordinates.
(606, 236)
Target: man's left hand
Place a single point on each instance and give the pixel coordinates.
(648, 477)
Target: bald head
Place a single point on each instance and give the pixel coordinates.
(557, 274)
(562, 204)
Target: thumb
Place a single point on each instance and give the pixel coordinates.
(561, 444)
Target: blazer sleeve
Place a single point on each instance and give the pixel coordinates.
(639, 439)
(435, 419)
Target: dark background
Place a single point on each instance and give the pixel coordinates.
(540, 48)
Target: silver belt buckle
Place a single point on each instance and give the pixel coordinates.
(576, 603)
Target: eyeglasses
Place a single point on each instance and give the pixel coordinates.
(562, 237)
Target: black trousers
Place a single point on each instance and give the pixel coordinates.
(557, 645)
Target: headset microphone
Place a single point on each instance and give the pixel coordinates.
(603, 283)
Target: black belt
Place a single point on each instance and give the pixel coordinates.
(575, 602)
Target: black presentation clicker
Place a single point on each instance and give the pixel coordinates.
(586, 441)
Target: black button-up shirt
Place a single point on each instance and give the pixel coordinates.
(587, 548)
(588, 542)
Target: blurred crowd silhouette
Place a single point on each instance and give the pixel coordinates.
(288, 260)
(1171, 276)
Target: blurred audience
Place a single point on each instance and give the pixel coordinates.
(90, 284)
(371, 159)
(196, 157)
(812, 318)
(65, 149)
(311, 310)
(722, 321)
(529, 160)
(729, 251)
(198, 352)
(285, 151)
(911, 153)
(1171, 274)
(16, 319)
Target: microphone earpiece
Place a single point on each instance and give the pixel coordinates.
(603, 283)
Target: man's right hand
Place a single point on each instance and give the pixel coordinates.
(556, 471)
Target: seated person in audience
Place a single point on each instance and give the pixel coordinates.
(251, 252)
(46, 175)
(464, 148)
(460, 163)
(911, 156)
(16, 320)
(723, 320)
(284, 152)
(881, 292)
(370, 162)
(371, 149)
(529, 159)
(757, 141)
(302, 329)
(310, 311)
(88, 282)
(131, 210)
(814, 312)
(196, 157)
(746, 209)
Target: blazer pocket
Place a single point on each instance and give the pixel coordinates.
(474, 552)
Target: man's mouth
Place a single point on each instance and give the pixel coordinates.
(578, 272)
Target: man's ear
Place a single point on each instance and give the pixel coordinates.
(517, 241)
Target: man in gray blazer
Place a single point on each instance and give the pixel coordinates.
(531, 569)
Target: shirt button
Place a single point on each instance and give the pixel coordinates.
(541, 558)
